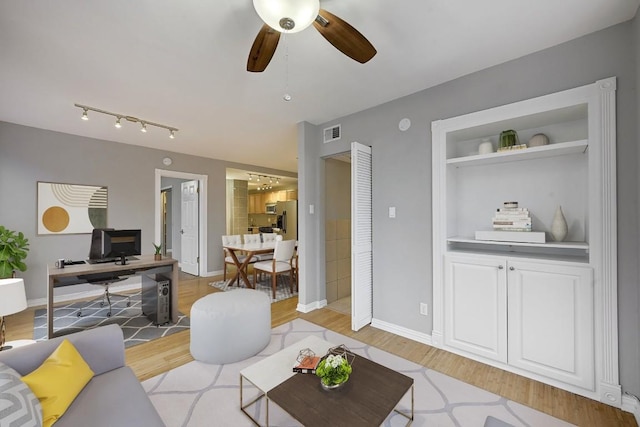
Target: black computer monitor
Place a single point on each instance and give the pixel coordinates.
(121, 244)
(108, 245)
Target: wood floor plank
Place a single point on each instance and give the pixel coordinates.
(153, 358)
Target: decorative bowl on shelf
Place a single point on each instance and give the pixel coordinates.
(538, 140)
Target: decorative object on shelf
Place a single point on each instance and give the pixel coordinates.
(485, 147)
(13, 247)
(538, 140)
(509, 138)
(559, 227)
(158, 254)
(512, 218)
(334, 368)
(12, 300)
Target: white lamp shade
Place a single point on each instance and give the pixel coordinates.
(12, 296)
(301, 12)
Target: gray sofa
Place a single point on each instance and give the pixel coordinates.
(113, 397)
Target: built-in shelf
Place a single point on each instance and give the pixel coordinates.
(551, 150)
(555, 245)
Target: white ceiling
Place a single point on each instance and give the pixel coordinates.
(182, 64)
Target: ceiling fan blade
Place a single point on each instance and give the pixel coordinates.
(344, 37)
(263, 49)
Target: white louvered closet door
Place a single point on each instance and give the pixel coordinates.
(361, 237)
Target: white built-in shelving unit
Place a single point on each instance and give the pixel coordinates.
(544, 310)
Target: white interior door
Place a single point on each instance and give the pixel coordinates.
(361, 237)
(189, 228)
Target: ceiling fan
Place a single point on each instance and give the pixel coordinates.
(292, 16)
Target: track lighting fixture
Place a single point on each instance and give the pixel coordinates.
(264, 186)
(143, 123)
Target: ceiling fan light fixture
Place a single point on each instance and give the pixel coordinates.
(289, 16)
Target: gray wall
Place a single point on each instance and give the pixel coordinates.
(28, 155)
(402, 173)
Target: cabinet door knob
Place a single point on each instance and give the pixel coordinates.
(500, 267)
(511, 268)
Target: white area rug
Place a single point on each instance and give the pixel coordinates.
(199, 394)
(283, 290)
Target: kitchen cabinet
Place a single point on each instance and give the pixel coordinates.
(256, 203)
(527, 314)
(531, 308)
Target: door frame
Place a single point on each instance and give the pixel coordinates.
(202, 210)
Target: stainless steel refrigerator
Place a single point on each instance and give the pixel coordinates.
(288, 219)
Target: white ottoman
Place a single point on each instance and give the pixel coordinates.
(230, 326)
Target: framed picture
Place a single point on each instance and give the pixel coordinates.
(71, 208)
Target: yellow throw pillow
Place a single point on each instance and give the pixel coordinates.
(58, 381)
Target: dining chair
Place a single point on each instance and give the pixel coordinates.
(255, 238)
(269, 237)
(235, 240)
(280, 264)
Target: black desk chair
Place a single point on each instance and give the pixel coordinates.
(105, 280)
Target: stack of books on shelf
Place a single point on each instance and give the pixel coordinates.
(512, 218)
(512, 224)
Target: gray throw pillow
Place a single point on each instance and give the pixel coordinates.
(18, 405)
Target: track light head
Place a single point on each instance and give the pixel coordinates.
(118, 125)
(143, 129)
(84, 115)
(171, 134)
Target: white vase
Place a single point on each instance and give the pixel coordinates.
(559, 227)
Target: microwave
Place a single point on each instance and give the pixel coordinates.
(270, 208)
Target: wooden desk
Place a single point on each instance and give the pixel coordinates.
(65, 276)
(250, 249)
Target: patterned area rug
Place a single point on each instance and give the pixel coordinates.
(282, 290)
(137, 328)
(197, 393)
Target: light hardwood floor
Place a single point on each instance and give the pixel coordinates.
(158, 356)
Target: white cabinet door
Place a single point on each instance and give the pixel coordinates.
(551, 321)
(475, 306)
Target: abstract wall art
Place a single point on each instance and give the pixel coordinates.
(71, 208)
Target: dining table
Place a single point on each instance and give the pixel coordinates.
(248, 250)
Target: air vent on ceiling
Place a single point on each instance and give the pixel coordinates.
(332, 134)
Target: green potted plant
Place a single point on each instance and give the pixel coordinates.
(158, 255)
(13, 251)
(333, 370)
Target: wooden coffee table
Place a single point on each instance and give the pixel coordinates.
(371, 394)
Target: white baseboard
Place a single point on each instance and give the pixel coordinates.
(630, 404)
(403, 332)
(306, 308)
